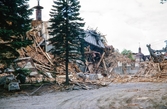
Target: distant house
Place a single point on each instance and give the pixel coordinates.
(139, 57)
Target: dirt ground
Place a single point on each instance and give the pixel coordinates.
(140, 95)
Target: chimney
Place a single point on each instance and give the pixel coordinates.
(38, 12)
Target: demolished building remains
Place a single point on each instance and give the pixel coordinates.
(103, 64)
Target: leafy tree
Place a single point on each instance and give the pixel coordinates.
(66, 29)
(14, 23)
(127, 53)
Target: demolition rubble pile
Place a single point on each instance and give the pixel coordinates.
(34, 57)
(99, 64)
(148, 72)
(98, 68)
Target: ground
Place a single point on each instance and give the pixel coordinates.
(137, 95)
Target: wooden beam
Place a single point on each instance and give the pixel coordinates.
(100, 60)
(44, 52)
(104, 65)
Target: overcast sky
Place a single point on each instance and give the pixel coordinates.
(127, 24)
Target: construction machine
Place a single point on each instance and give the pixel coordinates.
(158, 55)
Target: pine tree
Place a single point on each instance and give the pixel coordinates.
(14, 23)
(66, 29)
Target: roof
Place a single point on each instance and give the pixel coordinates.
(92, 39)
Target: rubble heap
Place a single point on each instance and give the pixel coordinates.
(100, 59)
(100, 67)
(35, 57)
(148, 72)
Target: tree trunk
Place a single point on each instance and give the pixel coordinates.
(67, 46)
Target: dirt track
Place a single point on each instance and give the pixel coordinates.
(114, 96)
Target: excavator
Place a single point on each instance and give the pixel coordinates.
(158, 55)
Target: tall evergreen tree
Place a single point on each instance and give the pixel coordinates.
(66, 29)
(14, 23)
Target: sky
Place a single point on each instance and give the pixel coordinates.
(127, 24)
